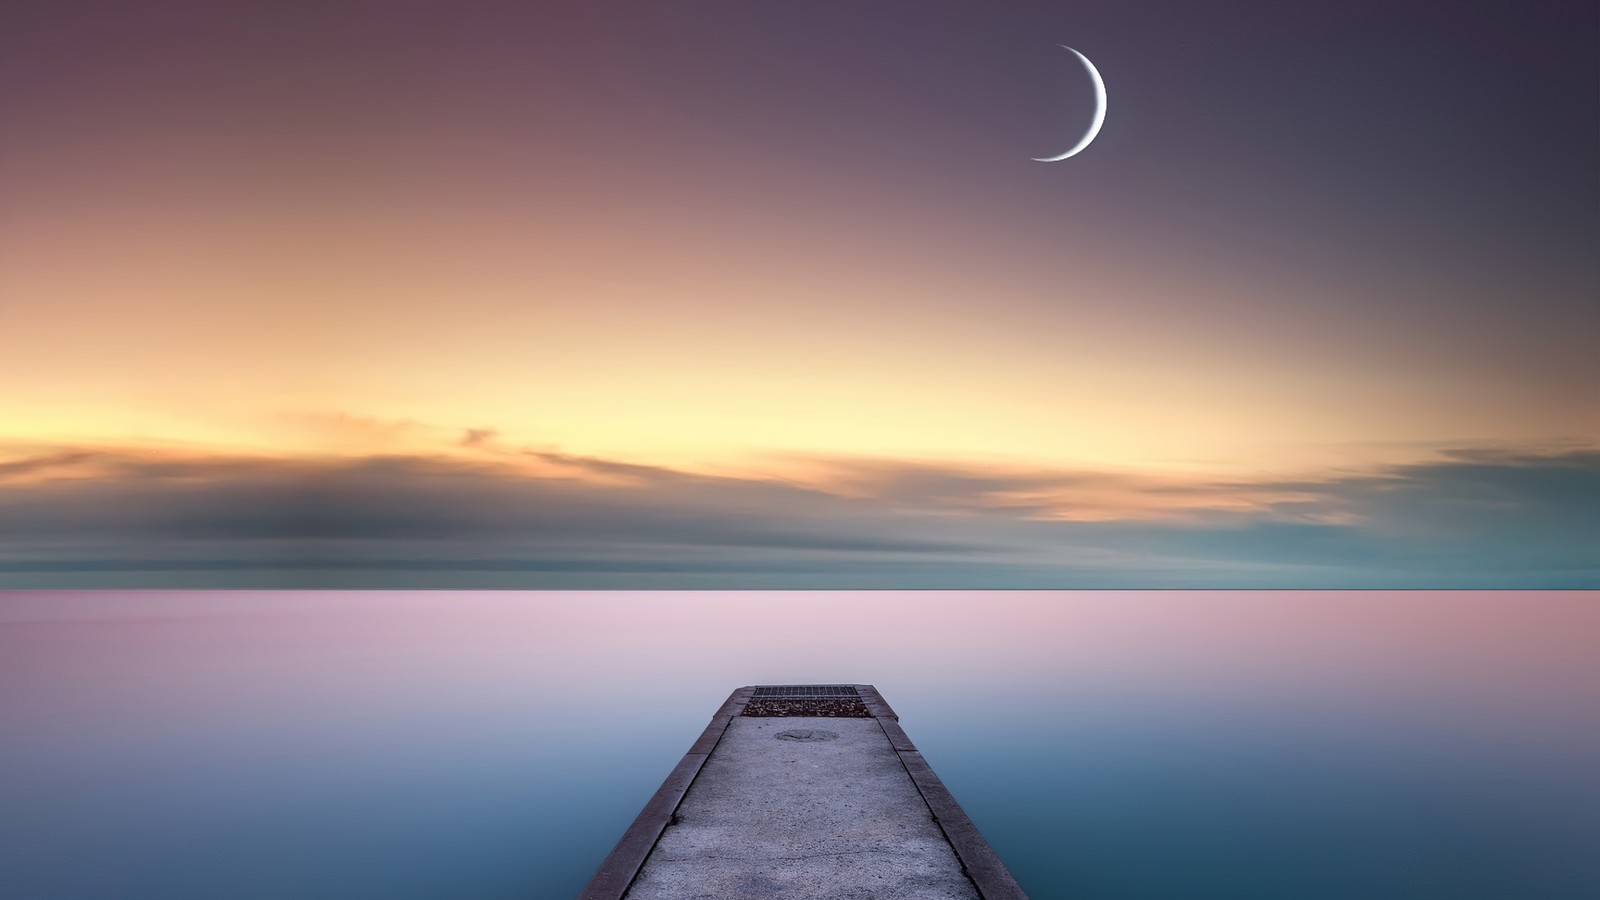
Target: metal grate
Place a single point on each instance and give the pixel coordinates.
(806, 692)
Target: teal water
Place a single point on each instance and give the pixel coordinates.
(495, 745)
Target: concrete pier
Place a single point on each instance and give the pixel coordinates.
(803, 791)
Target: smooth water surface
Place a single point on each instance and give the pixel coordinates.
(191, 746)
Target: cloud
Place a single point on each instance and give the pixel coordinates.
(611, 469)
(46, 463)
(346, 426)
(1466, 518)
(1467, 514)
(1045, 494)
(418, 497)
(477, 437)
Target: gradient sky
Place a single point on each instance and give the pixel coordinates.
(778, 283)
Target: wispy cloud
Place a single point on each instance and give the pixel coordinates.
(1470, 517)
(45, 464)
(367, 428)
(478, 437)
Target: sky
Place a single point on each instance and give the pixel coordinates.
(715, 294)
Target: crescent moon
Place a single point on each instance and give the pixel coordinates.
(1099, 111)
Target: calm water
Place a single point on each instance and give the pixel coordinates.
(495, 745)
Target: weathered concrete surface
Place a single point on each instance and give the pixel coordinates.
(800, 817)
(821, 811)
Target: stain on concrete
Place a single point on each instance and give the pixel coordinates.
(807, 735)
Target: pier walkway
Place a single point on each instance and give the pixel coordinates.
(798, 792)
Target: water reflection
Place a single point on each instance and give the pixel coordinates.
(485, 745)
